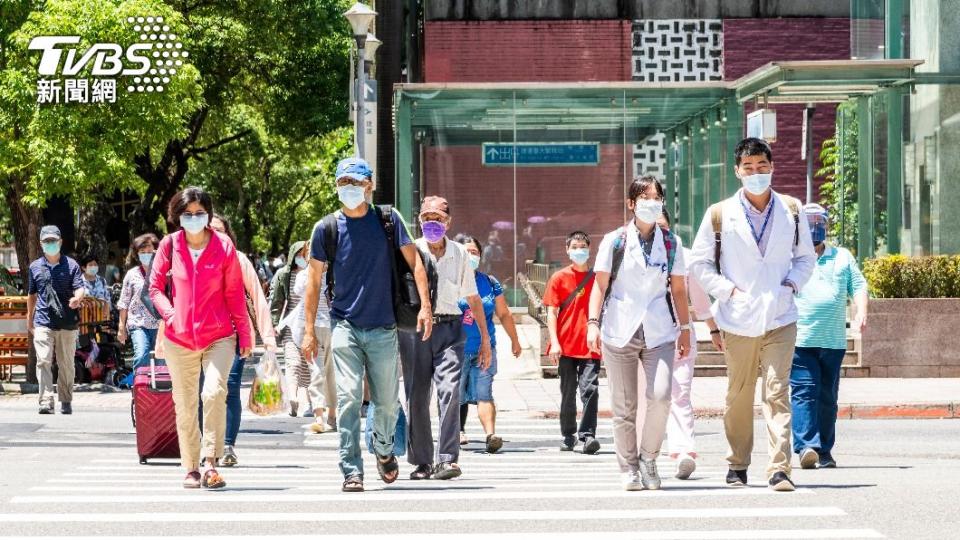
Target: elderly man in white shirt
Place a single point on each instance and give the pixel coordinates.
(438, 361)
(753, 253)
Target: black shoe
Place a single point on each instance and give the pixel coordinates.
(781, 482)
(736, 478)
(422, 472)
(568, 444)
(827, 462)
(591, 446)
(66, 408)
(47, 409)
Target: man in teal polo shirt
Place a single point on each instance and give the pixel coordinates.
(822, 343)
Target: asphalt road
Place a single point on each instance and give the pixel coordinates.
(78, 476)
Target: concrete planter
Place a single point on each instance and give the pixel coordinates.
(912, 337)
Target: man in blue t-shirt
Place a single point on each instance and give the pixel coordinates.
(364, 336)
(55, 289)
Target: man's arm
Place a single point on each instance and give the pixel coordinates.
(600, 284)
(553, 312)
(311, 298)
(31, 310)
(425, 317)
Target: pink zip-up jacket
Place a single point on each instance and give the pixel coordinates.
(209, 296)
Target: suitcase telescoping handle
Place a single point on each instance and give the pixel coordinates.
(153, 372)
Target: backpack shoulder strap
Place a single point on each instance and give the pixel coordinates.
(670, 242)
(331, 238)
(716, 218)
(794, 205)
(619, 248)
(385, 212)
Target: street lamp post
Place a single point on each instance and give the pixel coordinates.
(360, 17)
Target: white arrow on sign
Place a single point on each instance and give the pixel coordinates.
(493, 153)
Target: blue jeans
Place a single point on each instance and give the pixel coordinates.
(814, 387)
(374, 351)
(234, 407)
(476, 384)
(144, 340)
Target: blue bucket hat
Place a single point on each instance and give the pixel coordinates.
(355, 168)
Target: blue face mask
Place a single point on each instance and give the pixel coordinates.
(351, 196)
(300, 262)
(758, 183)
(145, 258)
(194, 224)
(819, 232)
(579, 256)
(474, 261)
(51, 248)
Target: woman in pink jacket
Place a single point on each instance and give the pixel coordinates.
(205, 319)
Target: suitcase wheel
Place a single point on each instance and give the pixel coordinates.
(143, 460)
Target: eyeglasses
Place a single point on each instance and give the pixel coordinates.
(194, 215)
(347, 181)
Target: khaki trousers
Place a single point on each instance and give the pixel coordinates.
(185, 365)
(46, 341)
(772, 354)
(322, 389)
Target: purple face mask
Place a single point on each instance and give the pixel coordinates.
(433, 231)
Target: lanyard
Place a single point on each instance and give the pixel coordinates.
(766, 221)
(646, 256)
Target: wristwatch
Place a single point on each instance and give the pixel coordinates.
(685, 326)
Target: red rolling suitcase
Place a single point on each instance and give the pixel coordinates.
(153, 414)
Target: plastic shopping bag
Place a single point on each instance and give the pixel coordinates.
(266, 395)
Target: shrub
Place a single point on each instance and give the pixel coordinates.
(898, 276)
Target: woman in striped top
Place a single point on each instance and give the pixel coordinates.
(822, 343)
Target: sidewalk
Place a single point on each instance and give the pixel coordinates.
(860, 398)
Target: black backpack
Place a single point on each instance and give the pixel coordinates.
(406, 297)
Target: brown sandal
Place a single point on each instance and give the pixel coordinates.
(213, 480)
(353, 484)
(192, 480)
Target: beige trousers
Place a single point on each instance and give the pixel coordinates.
(322, 389)
(185, 365)
(772, 354)
(46, 341)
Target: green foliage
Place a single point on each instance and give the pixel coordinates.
(839, 190)
(899, 276)
(82, 150)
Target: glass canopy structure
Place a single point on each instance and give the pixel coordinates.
(523, 164)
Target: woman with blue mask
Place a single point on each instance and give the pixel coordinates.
(138, 318)
(96, 286)
(476, 385)
(822, 343)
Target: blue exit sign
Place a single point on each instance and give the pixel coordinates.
(541, 154)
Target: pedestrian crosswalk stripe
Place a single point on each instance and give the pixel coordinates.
(424, 517)
(377, 494)
(723, 534)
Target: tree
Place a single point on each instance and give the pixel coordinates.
(288, 61)
(78, 150)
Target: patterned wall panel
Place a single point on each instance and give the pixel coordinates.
(673, 50)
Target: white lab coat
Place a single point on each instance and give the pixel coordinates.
(767, 304)
(639, 293)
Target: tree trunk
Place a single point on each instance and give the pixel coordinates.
(91, 237)
(26, 233)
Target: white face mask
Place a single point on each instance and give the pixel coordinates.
(757, 184)
(474, 261)
(579, 256)
(351, 196)
(648, 211)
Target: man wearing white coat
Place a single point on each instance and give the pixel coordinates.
(753, 253)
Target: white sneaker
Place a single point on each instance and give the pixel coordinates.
(631, 481)
(809, 458)
(685, 466)
(648, 474)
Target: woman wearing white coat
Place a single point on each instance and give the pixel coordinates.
(645, 319)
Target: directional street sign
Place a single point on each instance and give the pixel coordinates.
(541, 154)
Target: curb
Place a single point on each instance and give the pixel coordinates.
(907, 411)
